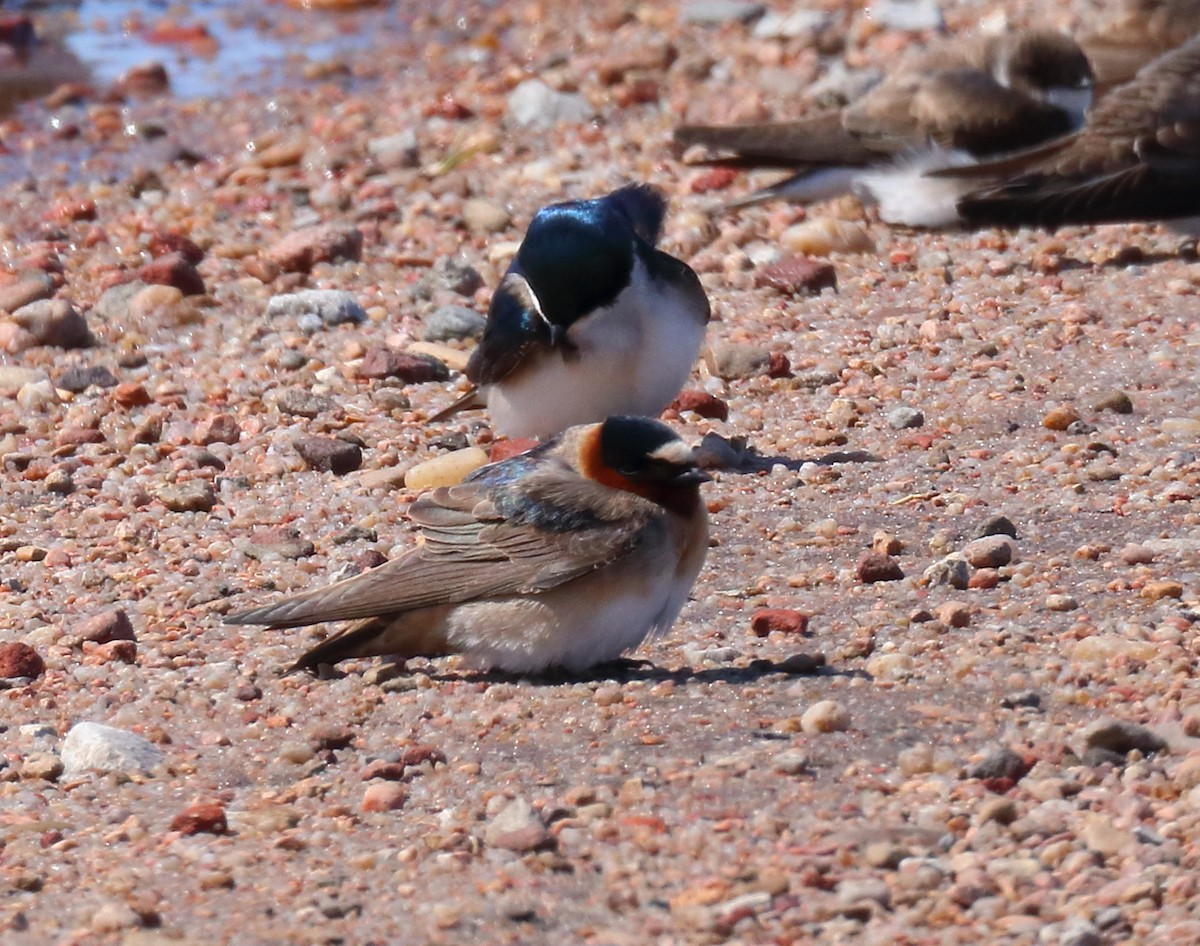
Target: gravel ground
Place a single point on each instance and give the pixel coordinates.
(936, 684)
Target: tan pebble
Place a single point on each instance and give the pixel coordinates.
(388, 477)
(502, 251)
(1137, 555)
(953, 614)
(886, 543)
(281, 155)
(1187, 775)
(1061, 603)
(1181, 428)
(483, 216)
(916, 760)
(112, 917)
(890, 666)
(452, 358)
(1060, 418)
(446, 470)
(153, 300)
(384, 796)
(296, 752)
(1101, 836)
(14, 377)
(822, 236)
(1156, 590)
(1103, 648)
(825, 716)
(607, 695)
(1000, 810)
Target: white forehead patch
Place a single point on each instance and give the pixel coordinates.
(676, 452)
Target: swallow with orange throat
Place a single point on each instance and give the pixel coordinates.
(565, 556)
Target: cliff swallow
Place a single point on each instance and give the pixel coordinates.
(1138, 158)
(1138, 32)
(950, 105)
(589, 321)
(565, 556)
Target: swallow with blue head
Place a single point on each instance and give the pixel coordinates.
(950, 105)
(591, 320)
(1137, 158)
(565, 556)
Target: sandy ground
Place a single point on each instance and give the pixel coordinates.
(964, 786)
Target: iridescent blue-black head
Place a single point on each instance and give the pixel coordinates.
(578, 256)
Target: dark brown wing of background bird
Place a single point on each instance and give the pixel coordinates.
(1137, 32)
(963, 109)
(1137, 158)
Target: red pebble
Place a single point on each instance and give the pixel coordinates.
(20, 660)
(716, 179)
(116, 652)
(172, 269)
(875, 566)
(415, 755)
(798, 275)
(110, 625)
(503, 449)
(131, 394)
(778, 365)
(201, 818)
(702, 403)
(784, 620)
(388, 771)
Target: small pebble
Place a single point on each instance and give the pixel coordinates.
(825, 716)
(903, 418)
(874, 567)
(384, 796)
(1060, 418)
(445, 470)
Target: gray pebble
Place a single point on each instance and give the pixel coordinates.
(453, 322)
(114, 304)
(720, 11)
(730, 360)
(1079, 932)
(303, 403)
(902, 418)
(1122, 737)
(534, 104)
(952, 570)
(328, 306)
(996, 525)
(80, 378)
(95, 747)
(395, 151)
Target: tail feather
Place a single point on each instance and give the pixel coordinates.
(808, 187)
(818, 139)
(472, 400)
(412, 634)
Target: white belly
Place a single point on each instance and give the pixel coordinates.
(632, 358)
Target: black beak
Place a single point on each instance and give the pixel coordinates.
(690, 476)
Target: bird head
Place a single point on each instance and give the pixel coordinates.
(1048, 65)
(643, 456)
(578, 256)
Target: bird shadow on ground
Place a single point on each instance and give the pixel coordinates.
(735, 456)
(626, 670)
